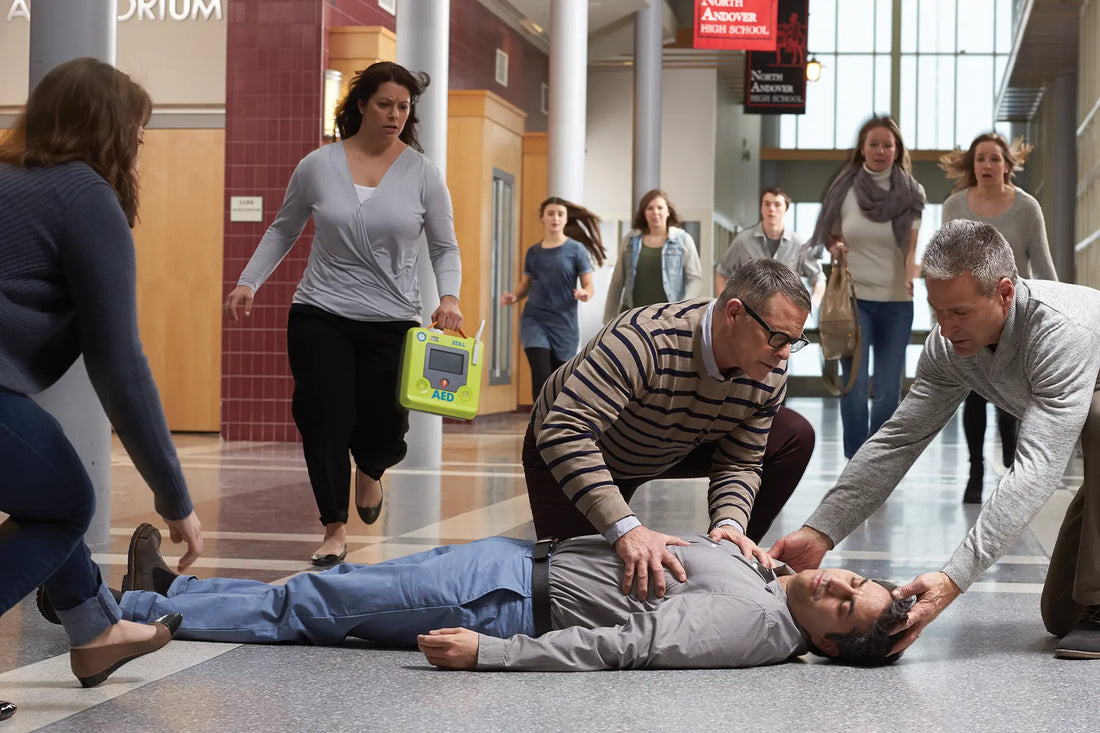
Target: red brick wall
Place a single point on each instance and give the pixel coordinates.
(272, 120)
(276, 51)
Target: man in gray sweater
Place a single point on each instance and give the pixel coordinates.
(1030, 347)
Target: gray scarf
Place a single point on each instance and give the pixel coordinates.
(898, 205)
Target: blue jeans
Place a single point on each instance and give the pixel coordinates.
(484, 586)
(886, 327)
(50, 500)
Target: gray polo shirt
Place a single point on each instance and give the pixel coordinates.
(752, 244)
(725, 615)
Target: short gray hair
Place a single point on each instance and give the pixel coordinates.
(757, 281)
(963, 246)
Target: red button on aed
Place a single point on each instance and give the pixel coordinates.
(444, 383)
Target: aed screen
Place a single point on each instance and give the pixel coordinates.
(445, 361)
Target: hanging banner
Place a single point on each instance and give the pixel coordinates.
(775, 81)
(738, 25)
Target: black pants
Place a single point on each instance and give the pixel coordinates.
(346, 376)
(974, 420)
(790, 445)
(543, 365)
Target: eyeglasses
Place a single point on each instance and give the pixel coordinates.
(776, 339)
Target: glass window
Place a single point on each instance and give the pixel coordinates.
(501, 274)
(908, 102)
(817, 129)
(882, 83)
(821, 33)
(884, 32)
(935, 26)
(1003, 25)
(974, 97)
(946, 66)
(976, 22)
(909, 27)
(856, 25)
(804, 215)
(855, 100)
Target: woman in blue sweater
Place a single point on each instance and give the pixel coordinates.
(68, 197)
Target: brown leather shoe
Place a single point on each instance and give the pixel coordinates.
(93, 666)
(142, 557)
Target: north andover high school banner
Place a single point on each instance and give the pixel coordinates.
(739, 25)
(775, 81)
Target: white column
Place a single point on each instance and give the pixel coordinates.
(647, 100)
(568, 98)
(1063, 218)
(60, 31)
(423, 44)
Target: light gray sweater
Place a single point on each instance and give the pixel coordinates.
(363, 261)
(1043, 371)
(1021, 224)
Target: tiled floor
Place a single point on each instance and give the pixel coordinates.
(986, 664)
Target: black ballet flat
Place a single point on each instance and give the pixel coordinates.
(370, 514)
(6, 710)
(324, 561)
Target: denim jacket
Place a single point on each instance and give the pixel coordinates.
(681, 271)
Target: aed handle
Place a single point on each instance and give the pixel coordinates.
(460, 331)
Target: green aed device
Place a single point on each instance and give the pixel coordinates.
(441, 372)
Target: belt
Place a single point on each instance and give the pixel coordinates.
(540, 584)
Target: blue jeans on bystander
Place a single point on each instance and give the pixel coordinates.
(886, 327)
(50, 500)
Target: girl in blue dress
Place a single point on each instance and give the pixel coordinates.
(548, 328)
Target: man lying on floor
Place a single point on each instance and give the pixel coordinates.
(471, 607)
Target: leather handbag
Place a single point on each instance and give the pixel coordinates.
(838, 328)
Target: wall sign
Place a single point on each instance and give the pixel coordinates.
(246, 208)
(775, 81)
(144, 10)
(746, 25)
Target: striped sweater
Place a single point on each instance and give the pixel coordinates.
(637, 399)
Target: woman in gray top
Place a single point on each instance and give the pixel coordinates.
(68, 197)
(370, 196)
(548, 328)
(984, 192)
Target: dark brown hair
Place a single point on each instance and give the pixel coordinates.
(641, 224)
(959, 166)
(88, 111)
(580, 224)
(775, 191)
(900, 158)
(364, 86)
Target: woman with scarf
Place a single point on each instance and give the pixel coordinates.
(872, 212)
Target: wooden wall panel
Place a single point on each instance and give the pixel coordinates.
(179, 271)
(354, 48)
(484, 132)
(536, 168)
